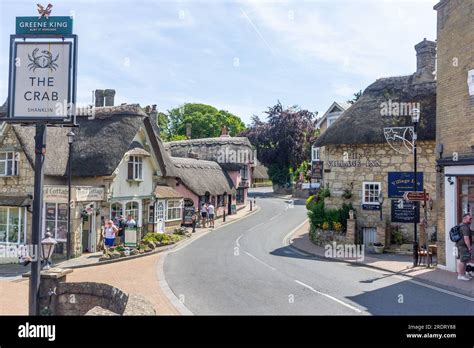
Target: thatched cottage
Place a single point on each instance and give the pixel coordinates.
(234, 154)
(363, 160)
(119, 167)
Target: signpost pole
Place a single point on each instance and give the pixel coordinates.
(415, 189)
(40, 149)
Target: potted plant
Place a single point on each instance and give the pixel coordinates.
(378, 248)
(347, 193)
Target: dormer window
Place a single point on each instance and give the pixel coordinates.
(9, 163)
(135, 168)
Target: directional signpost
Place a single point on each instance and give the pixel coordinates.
(41, 92)
(416, 196)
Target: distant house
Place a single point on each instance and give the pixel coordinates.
(360, 163)
(234, 155)
(260, 176)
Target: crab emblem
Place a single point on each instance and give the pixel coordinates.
(44, 60)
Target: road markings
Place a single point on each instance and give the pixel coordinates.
(255, 227)
(263, 263)
(286, 239)
(432, 287)
(329, 296)
(237, 241)
(277, 215)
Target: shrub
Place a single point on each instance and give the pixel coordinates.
(181, 231)
(317, 214)
(337, 226)
(311, 201)
(325, 192)
(325, 225)
(333, 215)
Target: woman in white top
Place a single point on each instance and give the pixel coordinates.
(110, 231)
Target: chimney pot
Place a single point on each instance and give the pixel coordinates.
(99, 98)
(109, 95)
(425, 56)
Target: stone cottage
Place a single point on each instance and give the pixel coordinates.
(366, 153)
(455, 113)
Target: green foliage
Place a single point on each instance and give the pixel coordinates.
(278, 175)
(397, 236)
(317, 215)
(161, 238)
(325, 192)
(311, 201)
(206, 121)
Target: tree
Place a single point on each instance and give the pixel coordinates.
(357, 95)
(284, 141)
(206, 121)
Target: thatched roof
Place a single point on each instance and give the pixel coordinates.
(363, 122)
(202, 176)
(260, 172)
(214, 149)
(99, 144)
(162, 191)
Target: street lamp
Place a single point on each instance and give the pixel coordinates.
(415, 118)
(70, 140)
(47, 248)
(381, 199)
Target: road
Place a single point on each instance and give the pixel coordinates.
(245, 268)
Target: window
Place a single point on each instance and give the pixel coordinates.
(240, 195)
(135, 168)
(116, 209)
(174, 209)
(151, 213)
(12, 225)
(9, 163)
(315, 153)
(56, 220)
(131, 208)
(370, 192)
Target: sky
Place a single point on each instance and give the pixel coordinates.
(240, 56)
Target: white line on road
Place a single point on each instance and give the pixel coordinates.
(286, 239)
(263, 263)
(237, 241)
(329, 296)
(273, 218)
(255, 227)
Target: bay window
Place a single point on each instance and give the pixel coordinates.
(12, 225)
(174, 210)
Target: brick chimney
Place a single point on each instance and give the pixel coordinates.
(109, 95)
(99, 98)
(425, 61)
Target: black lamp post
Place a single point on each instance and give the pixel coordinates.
(415, 118)
(381, 200)
(70, 140)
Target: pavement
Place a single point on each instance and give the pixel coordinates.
(248, 268)
(136, 275)
(398, 264)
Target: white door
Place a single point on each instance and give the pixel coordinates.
(369, 236)
(160, 216)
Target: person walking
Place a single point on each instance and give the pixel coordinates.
(211, 211)
(203, 214)
(464, 246)
(110, 230)
(194, 218)
(121, 229)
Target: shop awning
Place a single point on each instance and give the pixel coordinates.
(162, 191)
(15, 201)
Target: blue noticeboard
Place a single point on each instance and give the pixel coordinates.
(401, 182)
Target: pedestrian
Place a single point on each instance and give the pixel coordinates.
(211, 211)
(110, 231)
(121, 229)
(464, 246)
(130, 223)
(194, 218)
(203, 214)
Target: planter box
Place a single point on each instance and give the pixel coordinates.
(378, 249)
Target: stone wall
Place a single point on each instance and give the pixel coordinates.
(58, 297)
(455, 108)
(375, 163)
